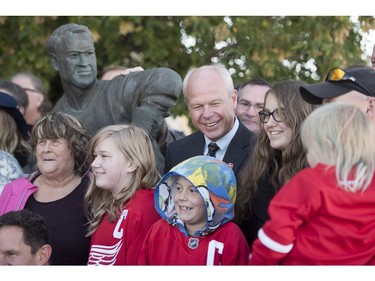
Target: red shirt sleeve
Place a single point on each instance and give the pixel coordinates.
(296, 201)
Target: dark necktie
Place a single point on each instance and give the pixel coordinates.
(212, 148)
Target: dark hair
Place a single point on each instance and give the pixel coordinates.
(15, 91)
(254, 81)
(59, 125)
(35, 230)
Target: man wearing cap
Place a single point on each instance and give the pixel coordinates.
(353, 85)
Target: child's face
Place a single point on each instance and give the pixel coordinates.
(190, 206)
(111, 169)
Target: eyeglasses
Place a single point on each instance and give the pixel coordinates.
(337, 74)
(31, 90)
(277, 115)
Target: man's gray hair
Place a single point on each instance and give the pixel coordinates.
(218, 68)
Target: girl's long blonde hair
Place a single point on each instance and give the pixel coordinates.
(136, 146)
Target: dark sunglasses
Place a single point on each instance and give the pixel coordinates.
(337, 74)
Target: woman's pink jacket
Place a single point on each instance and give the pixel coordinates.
(15, 195)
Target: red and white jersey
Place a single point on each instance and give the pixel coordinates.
(165, 244)
(313, 221)
(119, 242)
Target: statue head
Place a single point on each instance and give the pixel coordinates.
(72, 54)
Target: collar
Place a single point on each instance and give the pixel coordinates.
(224, 141)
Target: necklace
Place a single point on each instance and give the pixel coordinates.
(193, 243)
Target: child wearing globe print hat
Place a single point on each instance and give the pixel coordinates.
(196, 201)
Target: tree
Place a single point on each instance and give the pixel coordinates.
(274, 48)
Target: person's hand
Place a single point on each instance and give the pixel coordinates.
(132, 69)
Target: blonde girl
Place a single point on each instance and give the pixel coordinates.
(120, 200)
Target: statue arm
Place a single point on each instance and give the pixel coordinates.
(158, 91)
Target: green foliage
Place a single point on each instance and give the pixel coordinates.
(274, 48)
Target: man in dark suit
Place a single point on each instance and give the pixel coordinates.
(211, 99)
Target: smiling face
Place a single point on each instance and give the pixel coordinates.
(250, 102)
(112, 170)
(279, 133)
(210, 105)
(190, 206)
(54, 158)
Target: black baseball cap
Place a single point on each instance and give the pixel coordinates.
(9, 105)
(341, 81)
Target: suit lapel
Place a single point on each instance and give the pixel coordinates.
(239, 148)
(198, 144)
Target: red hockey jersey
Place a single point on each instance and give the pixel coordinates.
(167, 245)
(315, 222)
(119, 242)
(220, 242)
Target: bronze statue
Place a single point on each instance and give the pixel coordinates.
(142, 98)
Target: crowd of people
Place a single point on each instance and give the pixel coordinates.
(275, 173)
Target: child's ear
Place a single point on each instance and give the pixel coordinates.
(131, 167)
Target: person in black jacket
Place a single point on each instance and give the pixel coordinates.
(211, 99)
